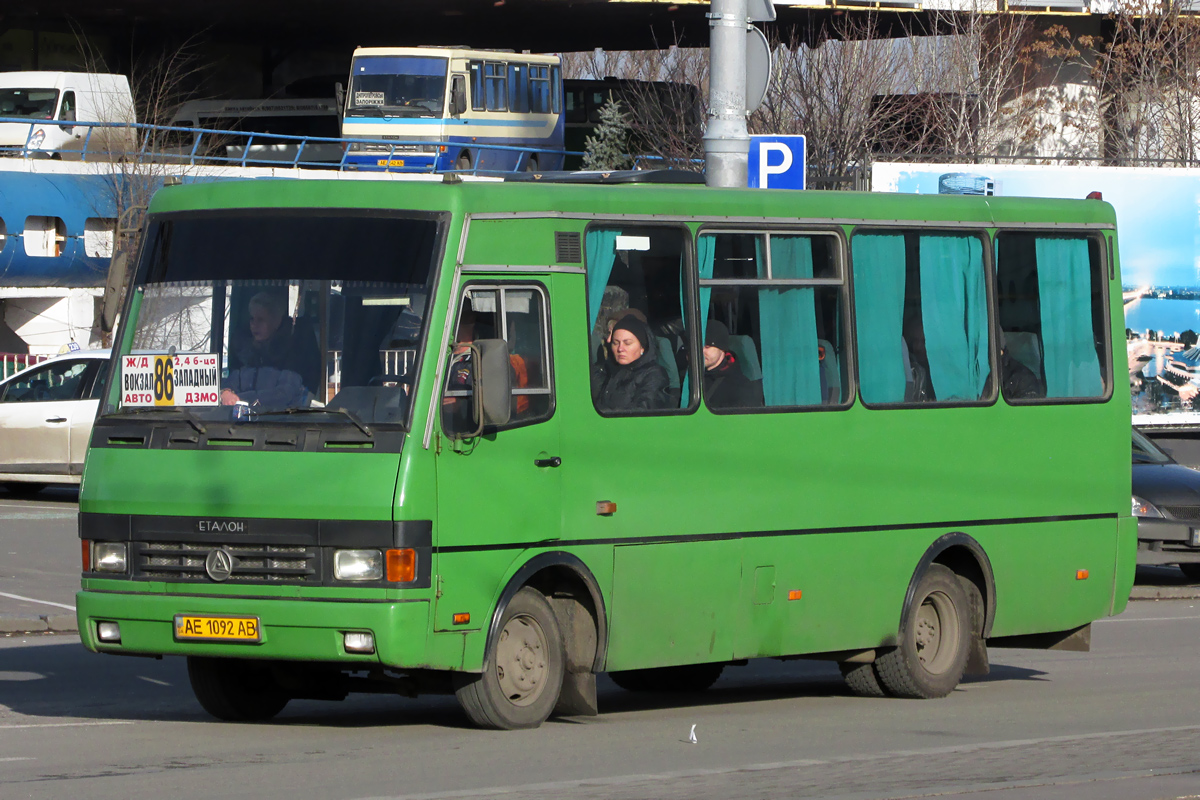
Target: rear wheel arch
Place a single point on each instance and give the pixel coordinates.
(963, 555)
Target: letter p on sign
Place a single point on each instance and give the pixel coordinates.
(776, 162)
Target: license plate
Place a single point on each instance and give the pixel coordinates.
(217, 629)
(395, 162)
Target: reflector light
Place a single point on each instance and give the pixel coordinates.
(462, 619)
(108, 632)
(402, 565)
(358, 642)
(1081, 574)
(85, 551)
(606, 508)
(1095, 196)
(794, 594)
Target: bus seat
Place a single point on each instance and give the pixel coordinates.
(746, 354)
(831, 372)
(373, 403)
(666, 357)
(1025, 348)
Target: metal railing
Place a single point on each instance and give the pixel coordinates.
(12, 363)
(142, 143)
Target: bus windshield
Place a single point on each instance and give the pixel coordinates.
(254, 316)
(412, 86)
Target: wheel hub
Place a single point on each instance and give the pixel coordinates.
(521, 660)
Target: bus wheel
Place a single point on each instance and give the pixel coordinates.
(861, 679)
(932, 653)
(234, 690)
(463, 162)
(689, 678)
(531, 164)
(525, 666)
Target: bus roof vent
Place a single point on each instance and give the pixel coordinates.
(567, 247)
(617, 176)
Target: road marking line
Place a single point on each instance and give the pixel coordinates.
(153, 680)
(625, 780)
(66, 724)
(1144, 619)
(19, 758)
(35, 600)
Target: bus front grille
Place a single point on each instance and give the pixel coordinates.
(251, 562)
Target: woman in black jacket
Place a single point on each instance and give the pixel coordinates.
(632, 380)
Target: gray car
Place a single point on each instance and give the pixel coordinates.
(1166, 502)
(46, 416)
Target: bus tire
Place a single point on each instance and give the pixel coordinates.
(235, 690)
(463, 162)
(531, 164)
(932, 653)
(525, 663)
(683, 679)
(861, 679)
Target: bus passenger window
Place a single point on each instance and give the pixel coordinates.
(774, 332)
(921, 318)
(639, 343)
(496, 85)
(516, 314)
(1050, 300)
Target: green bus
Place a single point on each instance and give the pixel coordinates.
(376, 436)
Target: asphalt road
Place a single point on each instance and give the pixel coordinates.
(1120, 722)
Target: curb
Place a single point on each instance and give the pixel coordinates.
(1165, 593)
(44, 623)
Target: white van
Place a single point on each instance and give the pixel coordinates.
(50, 101)
(282, 116)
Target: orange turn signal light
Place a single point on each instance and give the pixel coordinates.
(402, 565)
(462, 619)
(606, 508)
(86, 553)
(1081, 574)
(794, 594)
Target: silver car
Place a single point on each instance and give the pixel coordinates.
(46, 415)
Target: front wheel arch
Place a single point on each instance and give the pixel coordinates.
(967, 558)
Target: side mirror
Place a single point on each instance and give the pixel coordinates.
(458, 95)
(339, 94)
(488, 396)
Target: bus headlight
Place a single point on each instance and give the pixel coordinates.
(1144, 508)
(358, 565)
(108, 557)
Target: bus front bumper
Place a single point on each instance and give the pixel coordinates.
(289, 629)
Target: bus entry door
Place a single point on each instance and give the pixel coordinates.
(498, 493)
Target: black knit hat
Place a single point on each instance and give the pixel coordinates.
(635, 326)
(717, 335)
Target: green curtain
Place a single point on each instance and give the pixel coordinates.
(600, 246)
(1065, 295)
(879, 316)
(954, 312)
(787, 322)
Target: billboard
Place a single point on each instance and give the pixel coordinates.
(1158, 223)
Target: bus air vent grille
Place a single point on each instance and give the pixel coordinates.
(252, 563)
(567, 247)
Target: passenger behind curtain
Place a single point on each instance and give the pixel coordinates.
(954, 314)
(791, 363)
(1064, 294)
(879, 316)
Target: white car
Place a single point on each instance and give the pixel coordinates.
(46, 416)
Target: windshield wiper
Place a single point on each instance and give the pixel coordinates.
(358, 423)
(187, 415)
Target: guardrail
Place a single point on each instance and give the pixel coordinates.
(12, 363)
(158, 144)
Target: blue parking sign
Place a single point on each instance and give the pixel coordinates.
(777, 162)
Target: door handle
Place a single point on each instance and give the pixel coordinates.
(553, 461)
(56, 419)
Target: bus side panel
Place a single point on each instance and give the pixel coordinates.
(1037, 572)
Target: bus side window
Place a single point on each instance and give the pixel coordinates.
(1050, 300)
(774, 296)
(495, 85)
(638, 271)
(517, 314)
(478, 102)
(921, 318)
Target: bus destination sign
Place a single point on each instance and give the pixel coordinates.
(186, 379)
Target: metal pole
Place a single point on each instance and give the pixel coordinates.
(726, 141)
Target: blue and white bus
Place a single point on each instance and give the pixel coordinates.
(452, 109)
